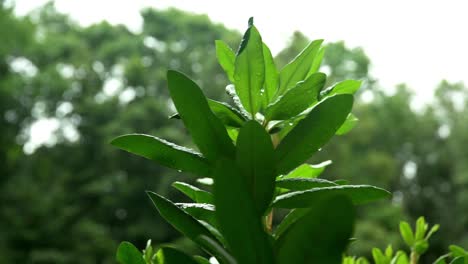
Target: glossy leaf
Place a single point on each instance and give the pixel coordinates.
(164, 153)
(226, 113)
(183, 222)
(297, 99)
(298, 68)
(168, 255)
(344, 87)
(307, 170)
(201, 260)
(312, 132)
(127, 253)
(200, 211)
(359, 194)
(350, 122)
(320, 236)
(226, 58)
(249, 70)
(207, 131)
(196, 194)
(271, 76)
(317, 61)
(255, 156)
(300, 184)
(237, 217)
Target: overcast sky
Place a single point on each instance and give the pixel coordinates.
(409, 41)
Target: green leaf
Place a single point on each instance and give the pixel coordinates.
(226, 113)
(359, 194)
(184, 223)
(231, 91)
(226, 58)
(200, 211)
(297, 99)
(194, 193)
(249, 70)
(344, 87)
(255, 159)
(271, 76)
(458, 251)
(300, 184)
(407, 233)
(350, 122)
(400, 258)
(289, 219)
(127, 253)
(238, 220)
(459, 260)
(379, 257)
(164, 153)
(421, 228)
(207, 131)
(168, 255)
(312, 132)
(420, 246)
(299, 67)
(320, 236)
(432, 231)
(317, 61)
(201, 260)
(307, 170)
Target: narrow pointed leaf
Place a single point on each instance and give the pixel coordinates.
(344, 87)
(312, 132)
(407, 233)
(237, 217)
(127, 253)
(168, 255)
(301, 184)
(183, 222)
(207, 131)
(317, 61)
(200, 211)
(298, 68)
(271, 76)
(307, 170)
(297, 99)
(320, 236)
(201, 260)
(164, 153)
(350, 122)
(196, 194)
(226, 113)
(255, 159)
(359, 194)
(226, 58)
(249, 71)
(290, 219)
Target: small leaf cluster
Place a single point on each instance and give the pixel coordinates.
(417, 240)
(252, 155)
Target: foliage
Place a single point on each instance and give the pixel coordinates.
(236, 226)
(417, 240)
(74, 187)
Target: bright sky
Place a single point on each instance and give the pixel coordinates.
(412, 41)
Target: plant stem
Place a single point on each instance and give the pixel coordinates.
(414, 258)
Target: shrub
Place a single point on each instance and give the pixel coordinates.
(252, 157)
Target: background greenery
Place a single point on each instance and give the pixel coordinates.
(73, 200)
